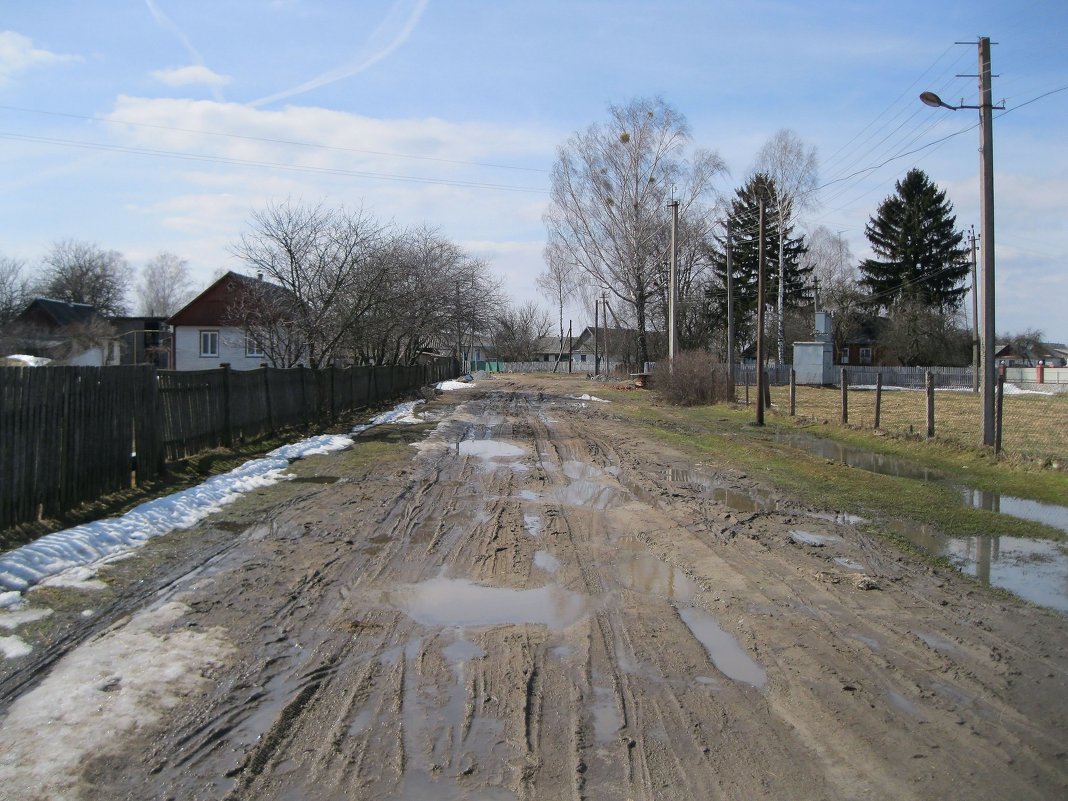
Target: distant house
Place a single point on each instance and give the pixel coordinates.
(67, 333)
(1051, 354)
(206, 332)
(861, 347)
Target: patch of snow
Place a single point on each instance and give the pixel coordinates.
(12, 620)
(78, 578)
(12, 648)
(119, 683)
(588, 397)
(450, 386)
(1012, 389)
(402, 414)
(10, 600)
(29, 361)
(89, 544)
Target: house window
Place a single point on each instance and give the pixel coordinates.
(252, 347)
(865, 355)
(582, 357)
(845, 356)
(209, 343)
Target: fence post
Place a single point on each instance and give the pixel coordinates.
(845, 397)
(929, 380)
(767, 391)
(333, 376)
(998, 418)
(878, 396)
(228, 414)
(793, 392)
(267, 397)
(746, 374)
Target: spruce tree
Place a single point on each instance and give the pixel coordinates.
(919, 252)
(744, 220)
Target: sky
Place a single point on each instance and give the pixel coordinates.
(156, 125)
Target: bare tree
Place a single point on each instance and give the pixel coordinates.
(324, 261)
(559, 281)
(14, 289)
(81, 272)
(835, 277)
(793, 170)
(164, 287)
(610, 188)
(518, 329)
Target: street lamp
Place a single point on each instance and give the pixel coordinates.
(986, 206)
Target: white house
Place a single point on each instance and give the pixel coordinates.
(204, 331)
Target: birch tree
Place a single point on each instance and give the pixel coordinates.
(793, 170)
(610, 187)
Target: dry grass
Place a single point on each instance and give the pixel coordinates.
(1033, 425)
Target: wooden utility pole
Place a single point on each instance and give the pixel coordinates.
(596, 333)
(975, 324)
(760, 321)
(604, 344)
(673, 278)
(730, 315)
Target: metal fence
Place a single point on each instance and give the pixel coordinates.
(69, 435)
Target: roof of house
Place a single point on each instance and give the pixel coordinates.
(214, 305)
(57, 313)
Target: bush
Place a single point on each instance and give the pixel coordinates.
(697, 378)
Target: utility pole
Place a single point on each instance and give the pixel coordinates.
(780, 295)
(986, 182)
(596, 332)
(975, 323)
(986, 206)
(604, 344)
(730, 314)
(760, 321)
(673, 280)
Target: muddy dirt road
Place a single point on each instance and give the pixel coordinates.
(534, 602)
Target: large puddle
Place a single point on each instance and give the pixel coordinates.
(444, 603)
(1035, 511)
(1036, 570)
(726, 654)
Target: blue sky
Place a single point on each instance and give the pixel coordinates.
(150, 125)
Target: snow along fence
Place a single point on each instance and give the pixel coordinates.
(69, 435)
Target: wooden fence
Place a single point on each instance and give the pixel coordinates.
(69, 435)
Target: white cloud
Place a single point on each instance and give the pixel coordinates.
(193, 75)
(17, 54)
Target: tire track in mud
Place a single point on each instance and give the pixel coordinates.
(512, 616)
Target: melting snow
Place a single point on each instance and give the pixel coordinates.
(449, 386)
(120, 682)
(86, 545)
(588, 397)
(401, 413)
(12, 648)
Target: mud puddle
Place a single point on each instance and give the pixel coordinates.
(749, 503)
(1035, 511)
(451, 603)
(726, 654)
(1036, 570)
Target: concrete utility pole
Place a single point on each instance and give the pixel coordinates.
(986, 206)
(760, 321)
(604, 343)
(730, 314)
(673, 280)
(975, 323)
(986, 183)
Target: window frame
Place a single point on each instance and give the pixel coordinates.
(252, 348)
(213, 336)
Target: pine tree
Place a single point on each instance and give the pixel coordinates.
(919, 252)
(744, 221)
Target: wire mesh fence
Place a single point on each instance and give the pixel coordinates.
(1033, 417)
